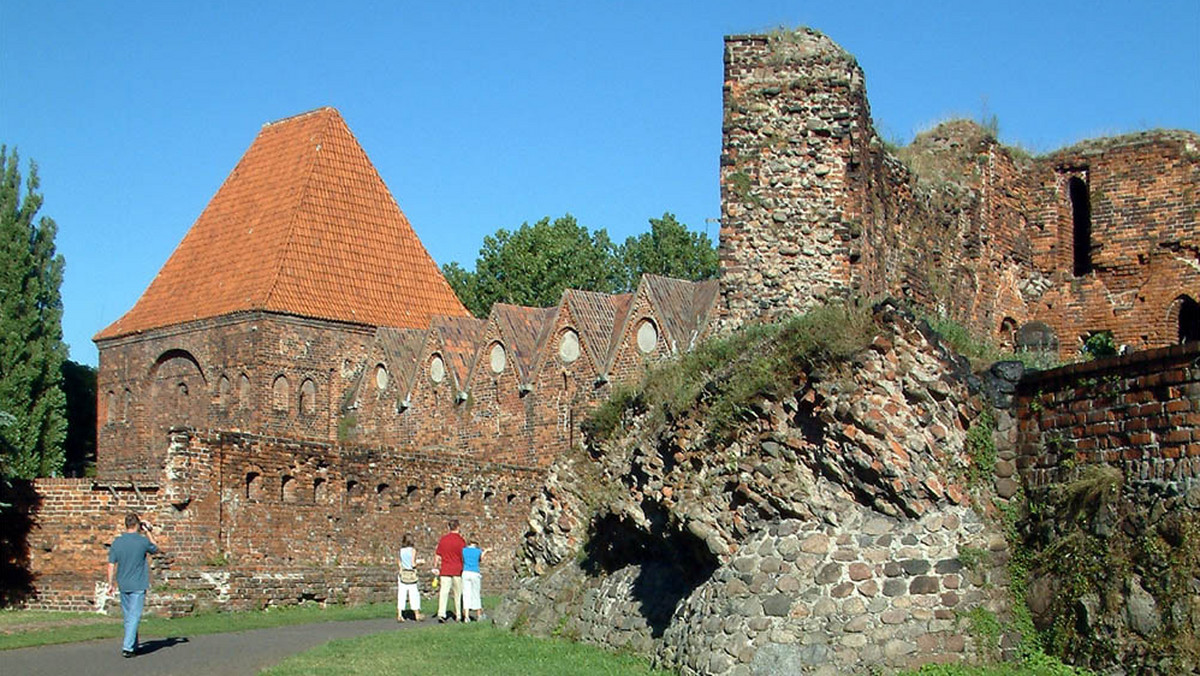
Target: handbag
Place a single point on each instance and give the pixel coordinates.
(408, 576)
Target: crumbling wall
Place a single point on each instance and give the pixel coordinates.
(834, 530)
(1110, 457)
(816, 207)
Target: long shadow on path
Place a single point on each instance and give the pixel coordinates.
(235, 654)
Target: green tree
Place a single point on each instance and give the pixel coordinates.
(670, 250)
(79, 447)
(534, 264)
(31, 346)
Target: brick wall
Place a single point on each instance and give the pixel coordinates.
(1140, 413)
(814, 206)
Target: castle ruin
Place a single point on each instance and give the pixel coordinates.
(299, 386)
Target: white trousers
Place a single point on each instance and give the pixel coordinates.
(409, 593)
(472, 582)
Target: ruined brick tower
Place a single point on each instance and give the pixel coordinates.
(1039, 252)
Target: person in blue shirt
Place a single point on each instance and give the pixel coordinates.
(472, 581)
(128, 565)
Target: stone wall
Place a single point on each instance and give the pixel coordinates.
(815, 206)
(834, 532)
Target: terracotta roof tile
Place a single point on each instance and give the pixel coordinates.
(400, 349)
(595, 316)
(457, 338)
(523, 330)
(304, 225)
(683, 307)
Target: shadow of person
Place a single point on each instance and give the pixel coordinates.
(148, 647)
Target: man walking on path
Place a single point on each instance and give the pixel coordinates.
(449, 562)
(128, 565)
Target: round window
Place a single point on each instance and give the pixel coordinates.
(437, 369)
(497, 358)
(568, 347)
(647, 336)
(381, 377)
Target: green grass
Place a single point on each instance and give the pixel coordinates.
(26, 628)
(470, 649)
(728, 375)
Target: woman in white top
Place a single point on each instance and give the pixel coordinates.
(406, 580)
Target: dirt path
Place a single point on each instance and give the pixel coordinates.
(245, 652)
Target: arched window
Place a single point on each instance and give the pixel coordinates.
(110, 406)
(308, 397)
(497, 359)
(568, 347)
(279, 393)
(1081, 218)
(1008, 333)
(1187, 319)
(224, 391)
(254, 485)
(243, 391)
(354, 491)
(127, 406)
(287, 488)
(320, 486)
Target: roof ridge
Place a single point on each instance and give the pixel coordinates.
(294, 218)
(289, 118)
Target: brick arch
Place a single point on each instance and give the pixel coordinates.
(280, 394)
(308, 397)
(178, 393)
(1184, 314)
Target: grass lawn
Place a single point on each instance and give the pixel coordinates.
(454, 648)
(25, 628)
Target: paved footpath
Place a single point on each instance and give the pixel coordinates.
(235, 654)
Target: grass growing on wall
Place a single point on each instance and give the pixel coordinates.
(728, 374)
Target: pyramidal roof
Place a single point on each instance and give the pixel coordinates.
(304, 225)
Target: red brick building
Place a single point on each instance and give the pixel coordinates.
(299, 386)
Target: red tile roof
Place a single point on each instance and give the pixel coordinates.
(595, 316)
(457, 339)
(304, 225)
(522, 329)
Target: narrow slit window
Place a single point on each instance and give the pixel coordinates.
(1081, 217)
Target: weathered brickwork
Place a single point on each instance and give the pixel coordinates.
(229, 503)
(284, 444)
(1140, 413)
(815, 207)
(267, 373)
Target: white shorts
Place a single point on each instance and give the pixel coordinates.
(471, 584)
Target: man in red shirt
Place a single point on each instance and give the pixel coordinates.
(449, 562)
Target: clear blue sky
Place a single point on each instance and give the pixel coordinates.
(485, 115)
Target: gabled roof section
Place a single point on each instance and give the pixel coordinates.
(522, 329)
(304, 225)
(457, 339)
(683, 307)
(595, 316)
(400, 349)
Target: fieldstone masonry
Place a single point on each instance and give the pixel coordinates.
(832, 535)
(1100, 236)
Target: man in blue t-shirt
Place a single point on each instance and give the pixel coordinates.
(128, 565)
